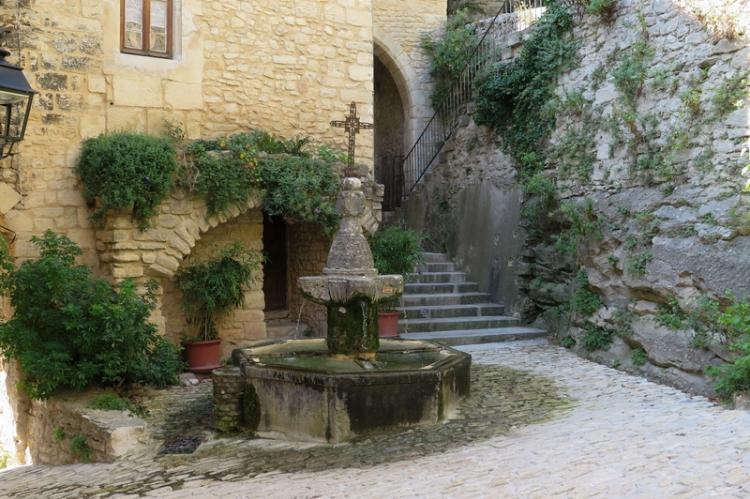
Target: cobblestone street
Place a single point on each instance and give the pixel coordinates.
(593, 432)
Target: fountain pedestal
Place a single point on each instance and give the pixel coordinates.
(349, 384)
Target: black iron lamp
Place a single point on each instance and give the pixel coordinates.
(16, 96)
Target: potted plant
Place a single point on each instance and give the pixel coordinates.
(396, 251)
(210, 288)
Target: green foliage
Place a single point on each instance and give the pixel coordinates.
(300, 189)
(671, 315)
(585, 301)
(58, 434)
(575, 153)
(216, 285)
(80, 448)
(639, 357)
(541, 200)
(603, 8)
(71, 330)
(396, 250)
(583, 224)
(734, 322)
(731, 94)
(630, 74)
(613, 260)
(638, 263)
(125, 170)
(516, 98)
(692, 101)
(296, 184)
(595, 338)
(567, 342)
(450, 54)
(113, 402)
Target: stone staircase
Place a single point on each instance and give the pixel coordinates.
(439, 304)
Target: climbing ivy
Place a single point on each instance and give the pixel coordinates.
(517, 98)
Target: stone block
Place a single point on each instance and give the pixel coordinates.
(183, 96)
(141, 92)
(97, 84)
(125, 118)
(8, 198)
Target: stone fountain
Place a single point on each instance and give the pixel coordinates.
(351, 383)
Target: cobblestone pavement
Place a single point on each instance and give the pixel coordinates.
(518, 436)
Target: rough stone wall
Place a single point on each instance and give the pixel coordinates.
(670, 193)
(398, 30)
(56, 424)
(287, 67)
(238, 326)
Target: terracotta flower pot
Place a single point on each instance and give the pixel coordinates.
(203, 356)
(388, 324)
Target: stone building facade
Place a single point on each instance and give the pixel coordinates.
(284, 67)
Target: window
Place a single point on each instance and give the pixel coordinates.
(146, 27)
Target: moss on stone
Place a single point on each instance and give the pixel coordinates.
(353, 327)
(250, 409)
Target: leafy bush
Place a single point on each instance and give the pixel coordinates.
(125, 170)
(595, 338)
(300, 189)
(732, 93)
(216, 285)
(630, 74)
(72, 330)
(567, 342)
(396, 250)
(517, 98)
(671, 315)
(603, 8)
(639, 357)
(450, 54)
(295, 184)
(585, 301)
(80, 448)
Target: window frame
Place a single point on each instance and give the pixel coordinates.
(146, 31)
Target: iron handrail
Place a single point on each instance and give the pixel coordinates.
(443, 122)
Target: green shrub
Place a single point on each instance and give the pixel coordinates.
(72, 330)
(595, 338)
(585, 301)
(671, 315)
(125, 170)
(294, 184)
(630, 74)
(300, 189)
(216, 285)
(517, 98)
(450, 54)
(58, 434)
(396, 250)
(639, 357)
(113, 402)
(603, 8)
(731, 94)
(80, 448)
(567, 342)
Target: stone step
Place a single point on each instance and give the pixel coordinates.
(477, 336)
(436, 257)
(428, 288)
(442, 311)
(446, 299)
(435, 277)
(438, 267)
(455, 323)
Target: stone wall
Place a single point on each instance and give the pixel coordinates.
(308, 252)
(287, 67)
(668, 186)
(238, 326)
(62, 430)
(398, 30)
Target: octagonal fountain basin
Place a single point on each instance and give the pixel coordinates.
(295, 389)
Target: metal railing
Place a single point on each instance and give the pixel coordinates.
(515, 15)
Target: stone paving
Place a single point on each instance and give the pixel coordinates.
(593, 432)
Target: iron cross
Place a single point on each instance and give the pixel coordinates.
(352, 125)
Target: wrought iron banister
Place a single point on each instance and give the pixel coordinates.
(515, 15)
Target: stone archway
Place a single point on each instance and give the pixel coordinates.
(390, 140)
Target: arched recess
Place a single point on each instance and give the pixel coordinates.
(395, 115)
(399, 65)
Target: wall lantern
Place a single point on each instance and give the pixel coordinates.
(16, 96)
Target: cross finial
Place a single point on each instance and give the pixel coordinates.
(352, 125)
